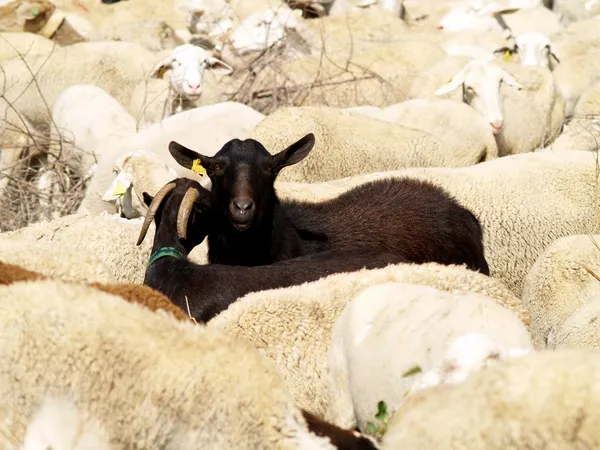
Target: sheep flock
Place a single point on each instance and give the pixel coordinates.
(299, 224)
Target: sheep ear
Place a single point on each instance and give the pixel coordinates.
(294, 153)
(219, 66)
(147, 198)
(553, 55)
(454, 83)
(189, 159)
(503, 50)
(510, 80)
(161, 68)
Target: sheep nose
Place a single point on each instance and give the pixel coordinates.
(243, 204)
(496, 125)
(193, 85)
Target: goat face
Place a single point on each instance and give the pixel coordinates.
(243, 174)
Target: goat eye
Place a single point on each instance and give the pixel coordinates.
(269, 168)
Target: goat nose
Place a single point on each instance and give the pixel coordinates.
(243, 204)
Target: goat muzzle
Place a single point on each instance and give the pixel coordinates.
(185, 210)
(156, 201)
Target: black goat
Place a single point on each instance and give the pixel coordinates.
(340, 438)
(209, 289)
(407, 217)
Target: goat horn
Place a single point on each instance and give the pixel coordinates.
(185, 209)
(156, 201)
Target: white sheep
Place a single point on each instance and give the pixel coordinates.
(580, 330)
(517, 225)
(120, 364)
(577, 39)
(137, 172)
(523, 118)
(465, 355)
(58, 423)
(85, 119)
(589, 102)
(292, 326)
(67, 263)
(391, 328)
(575, 75)
(540, 400)
(579, 133)
(271, 27)
(116, 67)
(155, 34)
(213, 125)
(349, 144)
(344, 7)
(534, 49)
(561, 281)
(155, 98)
(448, 120)
(15, 44)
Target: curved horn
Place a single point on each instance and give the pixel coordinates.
(185, 209)
(156, 201)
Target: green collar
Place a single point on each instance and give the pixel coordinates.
(162, 252)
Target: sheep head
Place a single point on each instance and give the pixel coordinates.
(186, 64)
(534, 49)
(481, 80)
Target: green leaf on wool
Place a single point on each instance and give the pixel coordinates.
(415, 370)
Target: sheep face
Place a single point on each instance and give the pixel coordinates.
(534, 49)
(243, 175)
(129, 167)
(187, 64)
(481, 81)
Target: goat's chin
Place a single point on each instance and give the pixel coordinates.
(241, 225)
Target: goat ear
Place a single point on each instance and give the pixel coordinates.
(147, 198)
(188, 158)
(216, 65)
(294, 153)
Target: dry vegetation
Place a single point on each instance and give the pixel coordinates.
(266, 82)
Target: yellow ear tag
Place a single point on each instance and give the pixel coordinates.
(119, 189)
(161, 72)
(507, 56)
(197, 168)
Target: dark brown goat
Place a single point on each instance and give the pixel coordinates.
(339, 437)
(209, 289)
(407, 217)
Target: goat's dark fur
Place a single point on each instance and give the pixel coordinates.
(407, 217)
(340, 438)
(211, 288)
